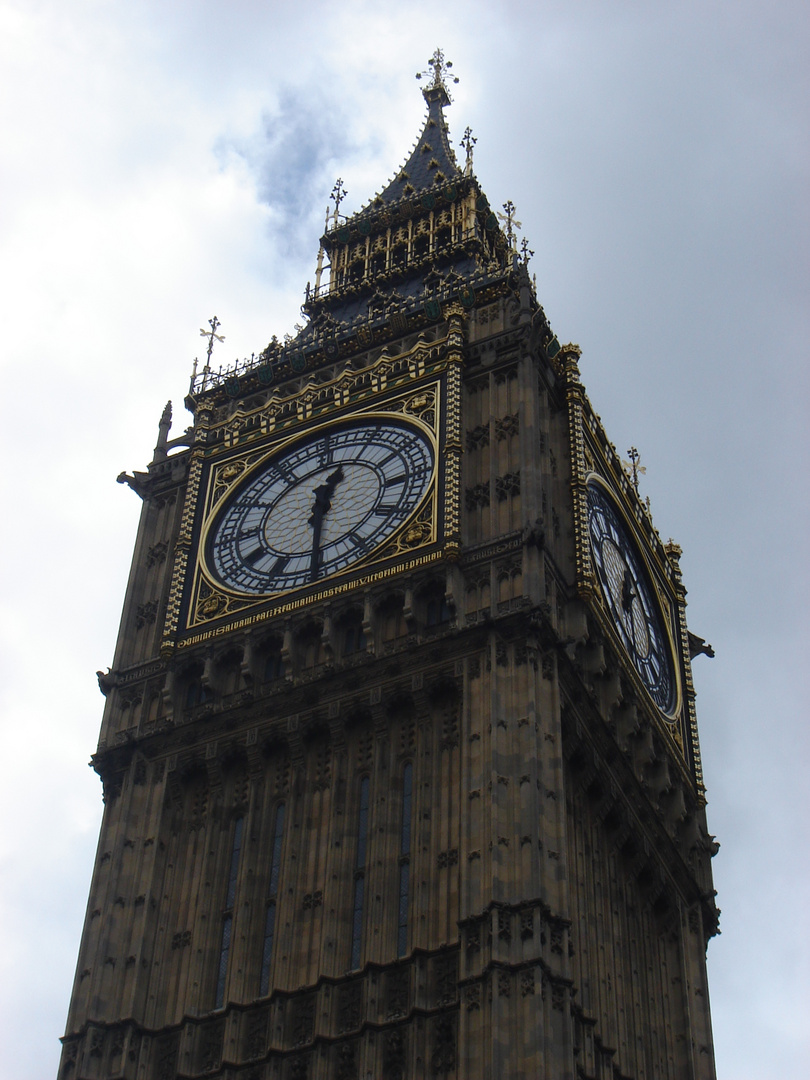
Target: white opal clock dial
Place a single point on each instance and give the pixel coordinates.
(320, 505)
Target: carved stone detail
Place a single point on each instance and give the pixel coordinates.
(146, 614)
(478, 436)
(506, 485)
(397, 992)
(506, 426)
(394, 1055)
(303, 1021)
(156, 554)
(477, 495)
(444, 1057)
(350, 1007)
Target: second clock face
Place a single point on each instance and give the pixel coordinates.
(629, 596)
(320, 505)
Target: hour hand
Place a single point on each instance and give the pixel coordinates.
(323, 495)
(323, 500)
(627, 590)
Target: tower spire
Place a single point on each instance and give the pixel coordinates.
(439, 74)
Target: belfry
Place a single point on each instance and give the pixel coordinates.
(399, 750)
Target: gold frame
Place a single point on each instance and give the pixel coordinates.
(666, 607)
(413, 544)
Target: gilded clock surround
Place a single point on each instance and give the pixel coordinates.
(212, 599)
(422, 385)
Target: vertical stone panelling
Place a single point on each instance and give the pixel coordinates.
(628, 966)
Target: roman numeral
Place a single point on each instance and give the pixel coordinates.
(279, 565)
(357, 541)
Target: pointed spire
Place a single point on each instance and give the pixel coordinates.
(432, 161)
(163, 434)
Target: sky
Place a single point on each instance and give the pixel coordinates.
(165, 162)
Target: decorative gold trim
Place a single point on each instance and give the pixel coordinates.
(182, 548)
(567, 364)
(419, 407)
(315, 399)
(313, 595)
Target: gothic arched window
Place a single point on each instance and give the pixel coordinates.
(437, 610)
(352, 635)
(196, 692)
(392, 619)
(273, 667)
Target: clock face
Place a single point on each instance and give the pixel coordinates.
(629, 597)
(318, 506)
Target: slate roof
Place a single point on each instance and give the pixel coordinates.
(431, 160)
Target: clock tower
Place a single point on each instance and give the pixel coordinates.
(399, 751)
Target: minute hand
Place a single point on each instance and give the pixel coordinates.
(323, 501)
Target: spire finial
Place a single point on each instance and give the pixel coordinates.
(439, 73)
(163, 434)
(508, 216)
(212, 335)
(634, 465)
(468, 142)
(339, 193)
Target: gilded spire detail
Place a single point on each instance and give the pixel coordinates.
(212, 335)
(468, 142)
(438, 71)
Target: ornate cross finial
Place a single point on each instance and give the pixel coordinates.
(634, 465)
(525, 251)
(439, 71)
(212, 335)
(339, 193)
(511, 222)
(468, 142)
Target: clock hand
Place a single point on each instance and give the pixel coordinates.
(323, 501)
(628, 592)
(628, 596)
